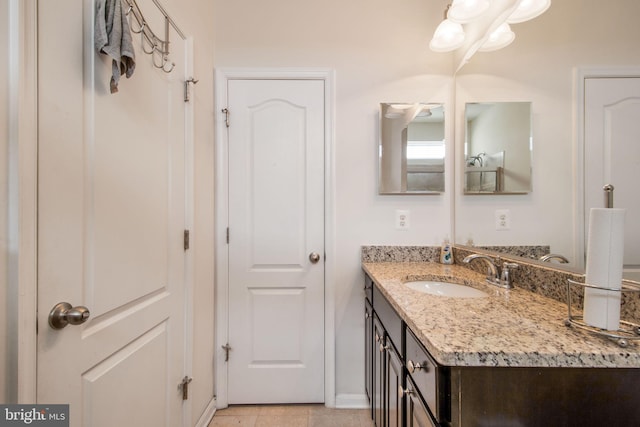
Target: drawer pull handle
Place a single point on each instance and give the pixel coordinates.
(402, 392)
(412, 366)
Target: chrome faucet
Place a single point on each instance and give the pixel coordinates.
(550, 257)
(496, 274)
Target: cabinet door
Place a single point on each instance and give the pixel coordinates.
(416, 412)
(378, 372)
(393, 389)
(368, 350)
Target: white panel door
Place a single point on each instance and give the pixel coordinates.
(276, 220)
(612, 154)
(111, 220)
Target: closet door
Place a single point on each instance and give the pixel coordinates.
(612, 155)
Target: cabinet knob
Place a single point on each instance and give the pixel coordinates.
(402, 392)
(412, 366)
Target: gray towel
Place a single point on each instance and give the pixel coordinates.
(113, 37)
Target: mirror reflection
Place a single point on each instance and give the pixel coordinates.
(412, 148)
(497, 148)
(545, 65)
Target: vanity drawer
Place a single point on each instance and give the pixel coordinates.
(428, 377)
(390, 320)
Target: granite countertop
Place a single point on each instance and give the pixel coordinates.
(508, 328)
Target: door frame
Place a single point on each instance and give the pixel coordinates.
(580, 75)
(23, 198)
(221, 189)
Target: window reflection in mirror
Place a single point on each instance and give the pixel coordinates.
(411, 149)
(497, 148)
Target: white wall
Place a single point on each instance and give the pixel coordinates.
(539, 67)
(379, 50)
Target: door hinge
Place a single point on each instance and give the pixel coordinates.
(186, 239)
(227, 235)
(225, 111)
(184, 385)
(227, 349)
(186, 88)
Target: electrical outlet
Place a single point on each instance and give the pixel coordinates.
(402, 220)
(503, 219)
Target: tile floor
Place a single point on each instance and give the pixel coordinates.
(290, 416)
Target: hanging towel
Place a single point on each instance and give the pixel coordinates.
(113, 37)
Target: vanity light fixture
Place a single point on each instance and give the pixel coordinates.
(450, 34)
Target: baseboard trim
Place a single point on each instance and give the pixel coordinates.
(352, 401)
(207, 415)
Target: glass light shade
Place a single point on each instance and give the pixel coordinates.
(528, 9)
(501, 37)
(464, 11)
(448, 36)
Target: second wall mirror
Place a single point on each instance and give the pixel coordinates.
(497, 148)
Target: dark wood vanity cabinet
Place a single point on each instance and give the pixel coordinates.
(409, 388)
(416, 412)
(395, 399)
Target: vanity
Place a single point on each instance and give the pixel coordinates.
(503, 359)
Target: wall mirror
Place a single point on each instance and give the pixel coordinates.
(542, 65)
(497, 148)
(412, 148)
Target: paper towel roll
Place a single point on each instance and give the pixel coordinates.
(605, 250)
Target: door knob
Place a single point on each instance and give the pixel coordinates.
(64, 314)
(314, 257)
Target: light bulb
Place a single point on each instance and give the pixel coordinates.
(464, 11)
(499, 38)
(447, 37)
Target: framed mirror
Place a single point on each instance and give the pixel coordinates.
(497, 148)
(411, 149)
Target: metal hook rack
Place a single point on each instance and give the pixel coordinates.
(153, 45)
(628, 331)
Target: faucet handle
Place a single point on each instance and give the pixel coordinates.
(505, 277)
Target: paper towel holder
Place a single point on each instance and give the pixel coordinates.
(608, 196)
(628, 331)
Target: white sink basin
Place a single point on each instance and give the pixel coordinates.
(445, 289)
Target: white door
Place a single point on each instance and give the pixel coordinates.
(612, 155)
(111, 223)
(276, 226)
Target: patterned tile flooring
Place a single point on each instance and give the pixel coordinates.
(290, 416)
